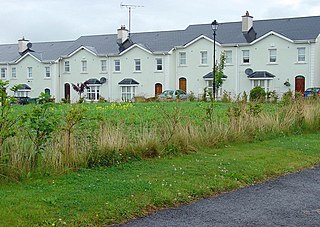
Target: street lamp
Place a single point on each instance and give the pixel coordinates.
(214, 26)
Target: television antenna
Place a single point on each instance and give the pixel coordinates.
(129, 7)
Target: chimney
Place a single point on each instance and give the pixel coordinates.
(247, 22)
(122, 34)
(23, 45)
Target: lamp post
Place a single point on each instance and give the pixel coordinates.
(214, 26)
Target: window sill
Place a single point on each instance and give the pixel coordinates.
(84, 73)
(158, 71)
(47, 78)
(13, 79)
(272, 63)
(229, 64)
(246, 64)
(300, 63)
(182, 66)
(203, 65)
(116, 72)
(103, 72)
(137, 71)
(66, 73)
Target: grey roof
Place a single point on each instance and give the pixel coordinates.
(24, 87)
(128, 81)
(93, 81)
(260, 74)
(209, 76)
(300, 28)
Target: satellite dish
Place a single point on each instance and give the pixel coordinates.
(248, 71)
(103, 80)
(29, 45)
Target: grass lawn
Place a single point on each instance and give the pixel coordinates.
(101, 196)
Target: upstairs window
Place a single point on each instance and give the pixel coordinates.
(29, 72)
(204, 57)
(159, 64)
(182, 58)
(48, 72)
(67, 66)
(137, 64)
(228, 55)
(84, 65)
(272, 55)
(103, 65)
(301, 54)
(245, 57)
(13, 73)
(3, 73)
(117, 66)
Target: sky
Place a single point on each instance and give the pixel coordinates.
(60, 20)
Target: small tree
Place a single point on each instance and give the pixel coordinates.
(80, 88)
(257, 94)
(219, 71)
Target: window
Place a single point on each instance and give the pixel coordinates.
(84, 66)
(13, 73)
(117, 66)
(245, 56)
(103, 65)
(67, 66)
(265, 84)
(137, 63)
(159, 64)
(302, 54)
(3, 73)
(272, 56)
(228, 55)
(93, 92)
(182, 58)
(48, 73)
(128, 93)
(29, 72)
(204, 57)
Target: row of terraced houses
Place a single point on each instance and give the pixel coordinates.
(276, 54)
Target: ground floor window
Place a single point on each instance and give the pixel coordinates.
(210, 89)
(265, 84)
(22, 93)
(93, 92)
(128, 93)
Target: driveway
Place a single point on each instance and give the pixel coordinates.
(292, 200)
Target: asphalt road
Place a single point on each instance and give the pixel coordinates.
(292, 200)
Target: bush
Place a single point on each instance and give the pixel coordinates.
(287, 97)
(257, 94)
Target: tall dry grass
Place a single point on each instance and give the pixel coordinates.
(112, 144)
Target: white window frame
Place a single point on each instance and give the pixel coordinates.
(245, 57)
(29, 72)
(117, 65)
(159, 64)
(13, 72)
(84, 66)
(263, 83)
(66, 66)
(103, 65)
(228, 55)
(22, 93)
(137, 65)
(204, 57)
(93, 92)
(301, 56)
(47, 72)
(128, 92)
(3, 73)
(182, 58)
(272, 56)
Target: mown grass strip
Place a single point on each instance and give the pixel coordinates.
(112, 195)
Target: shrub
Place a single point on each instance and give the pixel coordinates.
(287, 97)
(257, 94)
(226, 97)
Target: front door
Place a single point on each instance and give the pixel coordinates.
(67, 91)
(158, 89)
(183, 84)
(299, 84)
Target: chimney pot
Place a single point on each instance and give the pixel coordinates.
(247, 22)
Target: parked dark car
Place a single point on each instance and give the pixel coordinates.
(313, 91)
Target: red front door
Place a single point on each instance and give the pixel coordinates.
(299, 84)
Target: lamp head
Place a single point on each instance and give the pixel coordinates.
(214, 25)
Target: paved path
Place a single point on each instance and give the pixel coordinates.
(292, 200)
